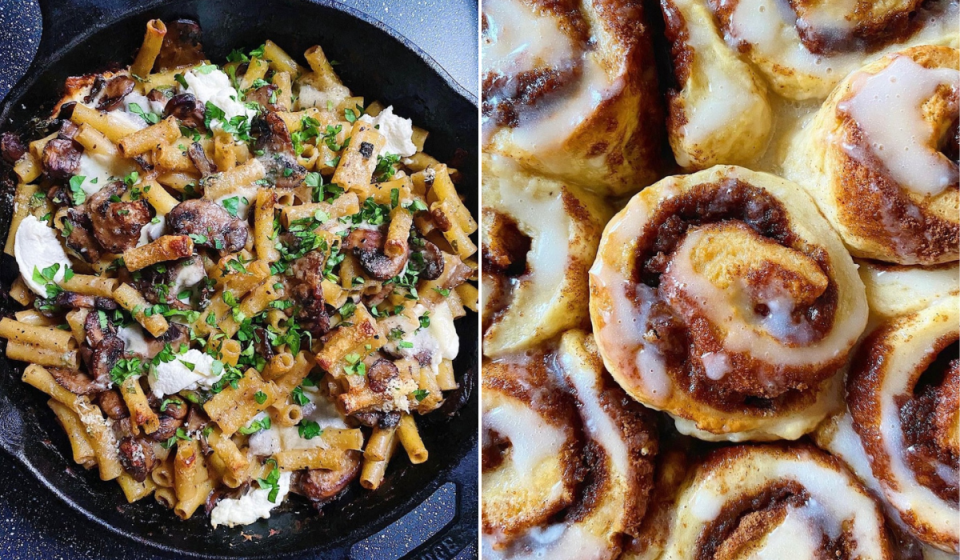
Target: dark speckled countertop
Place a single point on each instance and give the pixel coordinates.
(34, 525)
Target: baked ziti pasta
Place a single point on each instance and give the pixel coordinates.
(239, 281)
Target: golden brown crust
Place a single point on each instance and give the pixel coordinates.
(877, 217)
(695, 267)
(902, 395)
(614, 145)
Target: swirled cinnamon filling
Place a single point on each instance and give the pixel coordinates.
(531, 54)
(737, 205)
(929, 420)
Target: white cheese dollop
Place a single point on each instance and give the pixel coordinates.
(173, 377)
(133, 340)
(98, 169)
(36, 247)
(152, 231)
(215, 87)
(398, 132)
(188, 277)
(250, 507)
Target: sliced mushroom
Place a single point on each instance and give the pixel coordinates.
(136, 457)
(187, 109)
(51, 307)
(266, 97)
(429, 259)
(113, 405)
(320, 485)
(75, 381)
(11, 148)
(211, 225)
(80, 239)
(61, 158)
(380, 374)
(117, 225)
(181, 45)
(367, 245)
(200, 160)
(114, 91)
(101, 350)
(279, 159)
(306, 275)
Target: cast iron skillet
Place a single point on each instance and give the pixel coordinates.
(91, 35)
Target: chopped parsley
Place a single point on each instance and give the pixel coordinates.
(77, 193)
(308, 429)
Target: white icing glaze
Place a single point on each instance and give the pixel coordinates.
(832, 505)
(888, 108)
(532, 438)
(906, 493)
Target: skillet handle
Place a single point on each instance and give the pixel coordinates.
(442, 527)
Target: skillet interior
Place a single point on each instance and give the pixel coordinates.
(373, 61)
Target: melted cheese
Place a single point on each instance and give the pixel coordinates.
(173, 377)
(214, 88)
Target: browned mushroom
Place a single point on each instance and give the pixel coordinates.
(279, 159)
(101, 350)
(51, 307)
(209, 225)
(61, 158)
(320, 485)
(266, 97)
(187, 109)
(163, 283)
(429, 259)
(367, 245)
(117, 224)
(80, 238)
(181, 45)
(114, 91)
(200, 160)
(113, 405)
(11, 148)
(137, 459)
(380, 374)
(306, 275)
(75, 381)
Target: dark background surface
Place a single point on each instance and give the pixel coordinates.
(34, 524)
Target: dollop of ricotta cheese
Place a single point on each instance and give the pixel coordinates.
(250, 507)
(398, 132)
(175, 376)
(98, 169)
(214, 87)
(36, 247)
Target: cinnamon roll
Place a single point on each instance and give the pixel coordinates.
(718, 112)
(570, 90)
(567, 456)
(894, 290)
(880, 158)
(724, 299)
(804, 47)
(775, 501)
(903, 394)
(539, 238)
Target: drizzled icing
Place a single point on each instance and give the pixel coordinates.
(520, 39)
(888, 107)
(902, 488)
(834, 505)
(770, 27)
